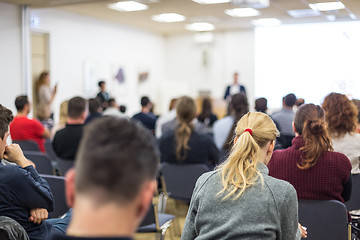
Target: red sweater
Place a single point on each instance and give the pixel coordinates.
(323, 181)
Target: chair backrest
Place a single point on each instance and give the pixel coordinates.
(354, 202)
(50, 150)
(64, 165)
(150, 217)
(11, 229)
(27, 145)
(324, 219)
(180, 179)
(42, 162)
(57, 186)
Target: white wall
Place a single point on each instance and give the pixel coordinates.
(10, 54)
(79, 42)
(186, 73)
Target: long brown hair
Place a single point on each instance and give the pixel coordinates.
(310, 123)
(185, 113)
(240, 106)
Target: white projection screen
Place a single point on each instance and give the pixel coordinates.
(310, 60)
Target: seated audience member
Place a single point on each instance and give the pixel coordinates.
(167, 117)
(240, 200)
(310, 164)
(113, 109)
(25, 196)
(122, 109)
(145, 116)
(357, 104)
(62, 120)
(284, 119)
(261, 105)
(95, 110)
(185, 145)
(299, 102)
(207, 117)
(66, 141)
(113, 183)
(103, 96)
(24, 128)
(341, 117)
(224, 128)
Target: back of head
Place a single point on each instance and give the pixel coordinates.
(172, 104)
(144, 101)
(185, 113)
(63, 112)
(76, 107)
(94, 105)
(261, 105)
(239, 171)
(310, 123)
(290, 100)
(357, 104)
(20, 102)
(112, 102)
(5, 119)
(340, 114)
(206, 107)
(113, 167)
(240, 107)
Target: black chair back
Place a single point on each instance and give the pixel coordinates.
(324, 219)
(354, 202)
(64, 165)
(42, 162)
(28, 145)
(180, 179)
(50, 150)
(57, 186)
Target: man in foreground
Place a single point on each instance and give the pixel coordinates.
(113, 183)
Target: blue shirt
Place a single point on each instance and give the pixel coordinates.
(22, 189)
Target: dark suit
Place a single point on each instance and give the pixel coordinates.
(227, 92)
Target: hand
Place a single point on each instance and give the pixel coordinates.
(13, 153)
(37, 215)
(303, 231)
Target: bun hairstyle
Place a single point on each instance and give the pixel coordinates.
(310, 123)
(240, 106)
(185, 113)
(239, 171)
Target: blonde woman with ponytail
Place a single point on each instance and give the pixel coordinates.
(184, 145)
(240, 200)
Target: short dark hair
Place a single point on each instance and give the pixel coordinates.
(20, 102)
(115, 164)
(111, 101)
(94, 105)
(290, 100)
(144, 101)
(76, 107)
(5, 119)
(261, 105)
(101, 83)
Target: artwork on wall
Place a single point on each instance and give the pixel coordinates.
(120, 77)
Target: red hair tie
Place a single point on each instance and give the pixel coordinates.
(248, 130)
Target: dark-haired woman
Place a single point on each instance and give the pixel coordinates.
(310, 164)
(184, 145)
(207, 117)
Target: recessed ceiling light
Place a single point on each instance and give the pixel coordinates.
(327, 6)
(299, 13)
(266, 22)
(200, 26)
(168, 17)
(211, 1)
(128, 6)
(242, 12)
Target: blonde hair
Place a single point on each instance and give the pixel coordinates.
(185, 113)
(63, 112)
(239, 171)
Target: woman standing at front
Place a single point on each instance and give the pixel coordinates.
(240, 200)
(45, 96)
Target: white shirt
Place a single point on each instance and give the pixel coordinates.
(111, 111)
(350, 146)
(167, 117)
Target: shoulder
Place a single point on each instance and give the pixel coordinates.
(280, 189)
(206, 179)
(224, 121)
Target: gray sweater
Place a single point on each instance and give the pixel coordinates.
(262, 212)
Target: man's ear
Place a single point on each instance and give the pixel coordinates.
(145, 198)
(70, 187)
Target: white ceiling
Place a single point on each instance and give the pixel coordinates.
(193, 12)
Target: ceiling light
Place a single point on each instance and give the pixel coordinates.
(299, 13)
(242, 12)
(327, 6)
(204, 37)
(168, 17)
(128, 6)
(211, 1)
(200, 26)
(266, 22)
